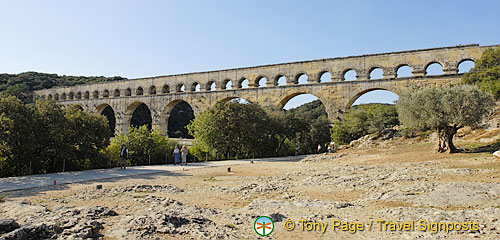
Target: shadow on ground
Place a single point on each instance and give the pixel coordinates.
(490, 148)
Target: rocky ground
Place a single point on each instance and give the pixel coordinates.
(393, 180)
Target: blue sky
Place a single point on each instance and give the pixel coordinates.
(150, 38)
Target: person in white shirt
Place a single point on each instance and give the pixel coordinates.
(176, 155)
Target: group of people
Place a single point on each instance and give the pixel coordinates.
(330, 148)
(183, 152)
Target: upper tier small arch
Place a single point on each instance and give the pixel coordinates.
(349, 75)
(434, 68)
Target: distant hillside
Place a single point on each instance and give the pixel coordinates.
(371, 104)
(316, 109)
(309, 111)
(21, 85)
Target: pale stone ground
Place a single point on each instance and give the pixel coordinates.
(395, 181)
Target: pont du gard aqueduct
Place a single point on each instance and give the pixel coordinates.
(268, 85)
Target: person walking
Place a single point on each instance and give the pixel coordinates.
(319, 148)
(123, 157)
(176, 155)
(184, 153)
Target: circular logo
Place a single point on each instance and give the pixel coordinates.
(263, 226)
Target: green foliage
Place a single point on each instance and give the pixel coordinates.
(44, 138)
(21, 85)
(289, 130)
(143, 146)
(112, 151)
(17, 136)
(51, 126)
(6, 125)
(486, 72)
(362, 120)
(202, 153)
(309, 112)
(444, 109)
(431, 108)
(87, 134)
(235, 130)
(309, 123)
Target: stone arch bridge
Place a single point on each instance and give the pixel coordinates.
(268, 85)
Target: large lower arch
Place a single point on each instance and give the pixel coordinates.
(289, 97)
(107, 111)
(178, 114)
(361, 93)
(310, 121)
(141, 115)
(307, 98)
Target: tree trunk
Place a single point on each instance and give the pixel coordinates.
(280, 145)
(445, 139)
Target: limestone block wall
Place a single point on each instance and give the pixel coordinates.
(162, 93)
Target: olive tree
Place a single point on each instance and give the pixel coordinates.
(444, 109)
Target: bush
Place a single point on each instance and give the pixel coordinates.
(145, 147)
(362, 120)
(199, 153)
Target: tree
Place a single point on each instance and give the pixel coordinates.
(309, 124)
(246, 130)
(444, 109)
(486, 73)
(6, 126)
(46, 138)
(17, 138)
(288, 130)
(362, 120)
(234, 129)
(88, 136)
(53, 134)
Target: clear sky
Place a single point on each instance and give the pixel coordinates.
(150, 38)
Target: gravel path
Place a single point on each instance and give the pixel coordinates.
(33, 181)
